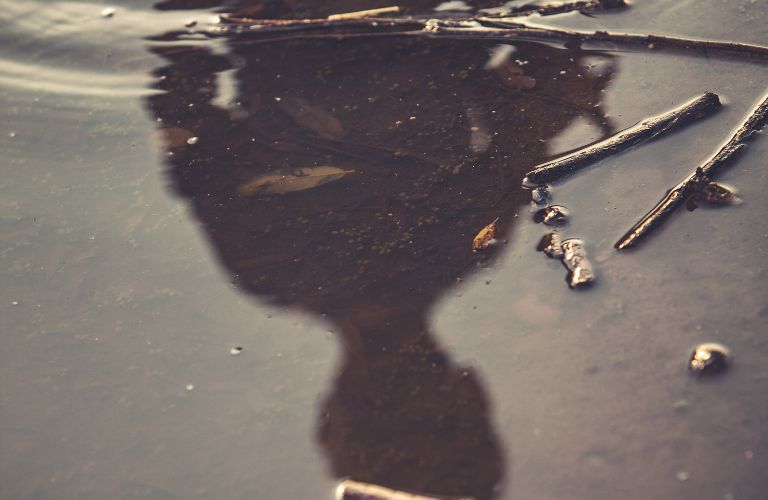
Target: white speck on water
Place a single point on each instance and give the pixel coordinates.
(682, 476)
(12, 135)
(236, 350)
(192, 140)
(15, 303)
(108, 12)
(278, 99)
(190, 387)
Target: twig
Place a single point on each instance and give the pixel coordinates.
(369, 15)
(676, 196)
(364, 13)
(642, 131)
(472, 28)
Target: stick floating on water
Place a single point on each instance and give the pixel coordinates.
(642, 131)
(676, 196)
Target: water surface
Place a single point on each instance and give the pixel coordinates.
(375, 344)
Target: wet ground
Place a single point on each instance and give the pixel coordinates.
(242, 270)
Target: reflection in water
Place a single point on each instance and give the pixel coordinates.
(434, 141)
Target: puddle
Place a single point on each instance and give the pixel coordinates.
(250, 263)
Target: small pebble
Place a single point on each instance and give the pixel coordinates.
(192, 140)
(108, 12)
(680, 405)
(580, 271)
(554, 215)
(551, 245)
(709, 358)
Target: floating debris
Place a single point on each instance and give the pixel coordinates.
(484, 238)
(541, 195)
(356, 490)
(709, 358)
(719, 194)
(551, 245)
(682, 476)
(554, 215)
(646, 129)
(575, 260)
(680, 405)
(677, 196)
(236, 350)
(190, 387)
(192, 140)
(108, 12)
(190, 23)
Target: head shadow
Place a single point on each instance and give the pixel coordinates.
(348, 179)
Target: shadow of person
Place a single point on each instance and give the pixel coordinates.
(347, 179)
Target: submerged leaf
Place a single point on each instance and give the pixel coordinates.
(282, 182)
(312, 117)
(483, 239)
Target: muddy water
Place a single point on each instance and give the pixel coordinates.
(145, 240)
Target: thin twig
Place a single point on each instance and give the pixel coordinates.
(377, 14)
(365, 13)
(676, 196)
(641, 131)
(472, 28)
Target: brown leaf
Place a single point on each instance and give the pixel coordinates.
(484, 237)
(282, 182)
(312, 117)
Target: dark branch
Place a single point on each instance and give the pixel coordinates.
(677, 196)
(469, 28)
(642, 131)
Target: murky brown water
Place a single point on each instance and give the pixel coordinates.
(148, 230)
